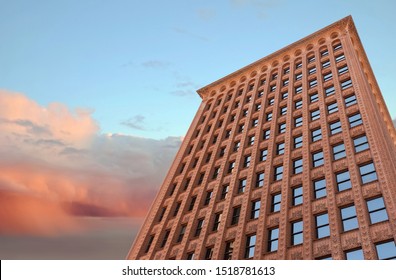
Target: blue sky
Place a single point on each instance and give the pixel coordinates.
(136, 64)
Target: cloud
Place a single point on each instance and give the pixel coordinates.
(136, 122)
(47, 179)
(190, 34)
(155, 64)
(261, 7)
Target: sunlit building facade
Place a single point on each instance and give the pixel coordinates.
(290, 157)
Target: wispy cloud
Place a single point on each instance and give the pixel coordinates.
(206, 14)
(155, 64)
(189, 33)
(136, 122)
(261, 7)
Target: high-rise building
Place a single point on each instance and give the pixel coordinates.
(290, 157)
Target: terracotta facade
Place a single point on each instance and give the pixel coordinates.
(290, 157)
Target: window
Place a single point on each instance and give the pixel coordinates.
(263, 155)
(237, 104)
(250, 245)
(222, 151)
(228, 134)
(251, 140)
(176, 210)
(240, 92)
(343, 181)
(266, 134)
(236, 146)
(311, 59)
(312, 70)
(339, 57)
(278, 173)
(251, 87)
(235, 215)
(220, 123)
(377, 210)
(242, 185)
(260, 179)
(386, 250)
(280, 148)
(258, 107)
(262, 82)
(298, 90)
(322, 225)
(246, 162)
(339, 151)
(346, 84)
(231, 166)
(297, 166)
(356, 254)
(324, 53)
(161, 216)
(224, 192)
(254, 122)
(332, 108)
(286, 70)
(272, 88)
(150, 241)
(285, 95)
(255, 211)
(316, 134)
(298, 121)
(273, 236)
(172, 189)
(198, 230)
(200, 179)
(297, 233)
(216, 222)
(355, 120)
(329, 90)
(229, 248)
(327, 77)
(360, 143)
(181, 233)
(297, 198)
(216, 173)
(317, 159)
(260, 93)
(349, 219)
(208, 157)
(192, 203)
(335, 127)
(282, 128)
(274, 76)
(367, 173)
(209, 253)
(350, 100)
(298, 65)
(337, 47)
(298, 104)
(276, 202)
(298, 76)
(313, 83)
(314, 97)
(342, 70)
(186, 183)
(165, 239)
(326, 64)
(315, 115)
(241, 128)
(271, 101)
(285, 82)
(298, 140)
(208, 197)
(283, 110)
(269, 116)
(319, 188)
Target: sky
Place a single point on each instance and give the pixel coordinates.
(96, 96)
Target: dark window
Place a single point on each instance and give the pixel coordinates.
(386, 250)
(329, 90)
(315, 115)
(161, 216)
(350, 100)
(172, 189)
(278, 173)
(216, 222)
(235, 215)
(286, 70)
(192, 203)
(242, 185)
(258, 107)
(229, 248)
(181, 233)
(326, 64)
(311, 59)
(343, 181)
(186, 183)
(271, 101)
(260, 93)
(367, 173)
(297, 166)
(313, 83)
(222, 151)
(298, 121)
(297, 233)
(201, 177)
(208, 197)
(209, 155)
(322, 225)
(228, 134)
(316, 134)
(298, 90)
(339, 58)
(272, 88)
(246, 161)
(377, 210)
(260, 179)
(255, 211)
(335, 127)
(360, 143)
(317, 159)
(241, 128)
(346, 84)
(332, 108)
(339, 151)
(285, 95)
(150, 241)
(250, 245)
(251, 87)
(231, 166)
(177, 207)
(209, 253)
(266, 134)
(236, 146)
(263, 155)
(298, 76)
(251, 140)
(200, 224)
(349, 219)
(298, 104)
(297, 198)
(298, 141)
(285, 82)
(324, 53)
(224, 192)
(319, 188)
(262, 82)
(282, 128)
(273, 236)
(216, 172)
(274, 76)
(356, 254)
(276, 202)
(283, 110)
(269, 116)
(165, 239)
(280, 148)
(254, 122)
(342, 70)
(298, 65)
(328, 77)
(337, 47)
(355, 120)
